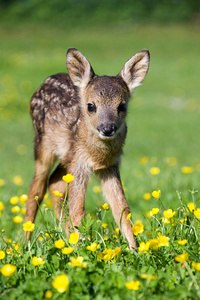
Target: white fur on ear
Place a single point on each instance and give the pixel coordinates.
(135, 69)
(79, 68)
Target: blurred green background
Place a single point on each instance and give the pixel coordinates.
(163, 120)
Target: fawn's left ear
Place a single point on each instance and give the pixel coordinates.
(135, 69)
(79, 68)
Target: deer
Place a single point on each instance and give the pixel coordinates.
(80, 120)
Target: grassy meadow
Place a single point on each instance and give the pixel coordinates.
(161, 153)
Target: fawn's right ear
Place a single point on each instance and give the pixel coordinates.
(79, 68)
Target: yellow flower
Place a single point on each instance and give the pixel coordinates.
(1, 206)
(37, 261)
(117, 251)
(138, 228)
(143, 246)
(132, 285)
(117, 231)
(67, 250)
(28, 226)
(2, 182)
(128, 217)
(187, 170)
(59, 244)
(68, 178)
(154, 211)
(2, 254)
(104, 225)
(61, 283)
(40, 238)
(154, 171)
(182, 242)
(77, 262)
(153, 244)
(171, 161)
(23, 210)
(48, 294)
(73, 238)
(57, 194)
(105, 238)
(162, 240)
(23, 198)
(18, 180)
(197, 213)
(97, 189)
(49, 203)
(191, 206)
(148, 276)
(169, 213)
(156, 194)
(17, 219)
(182, 257)
(196, 266)
(9, 251)
(105, 206)
(143, 160)
(8, 270)
(14, 200)
(147, 196)
(15, 209)
(93, 247)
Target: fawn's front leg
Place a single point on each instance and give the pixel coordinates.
(114, 194)
(77, 189)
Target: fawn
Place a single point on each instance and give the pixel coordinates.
(79, 118)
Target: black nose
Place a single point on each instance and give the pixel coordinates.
(107, 129)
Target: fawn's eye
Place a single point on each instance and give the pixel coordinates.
(91, 107)
(122, 108)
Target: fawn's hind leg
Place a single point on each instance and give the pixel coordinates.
(38, 187)
(56, 183)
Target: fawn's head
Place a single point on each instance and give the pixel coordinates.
(104, 99)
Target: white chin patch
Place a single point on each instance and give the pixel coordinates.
(104, 137)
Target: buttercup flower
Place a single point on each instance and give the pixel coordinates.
(74, 238)
(143, 246)
(37, 261)
(57, 194)
(15, 209)
(148, 276)
(68, 178)
(143, 160)
(153, 244)
(1, 207)
(147, 196)
(28, 226)
(154, 171)
(67, 250)
(2, 254)
(196, 266)
(138, 228)
(197, 213)
(97, 189)
(182, 242)
(18, 180)
(93, 247)
(191, 206)
(14, 200)
(117, 231)
(2, 182)
(182, 257)
(48, 294)
(162, 240)
(59, 244)
(133, 285)
(156, 194)
(128, 217)
(169, 213)
(154, 211)
(77, 262)
(105, 206)
(23, 198)
(8, 270)
(17, 219)
(61, 283)
(104, 225)
(187, 170)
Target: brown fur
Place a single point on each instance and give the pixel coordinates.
(84, 139)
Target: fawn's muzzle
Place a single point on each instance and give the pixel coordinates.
(107, 130)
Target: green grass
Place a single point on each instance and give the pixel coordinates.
(162, 122)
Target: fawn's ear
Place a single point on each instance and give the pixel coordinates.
(79, 68)
(135, 69)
